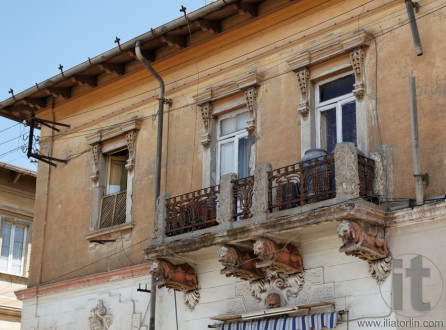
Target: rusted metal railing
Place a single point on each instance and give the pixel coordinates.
(113, 209)
(303, 183)
(243, 197)
(366, 172)
(192, 211)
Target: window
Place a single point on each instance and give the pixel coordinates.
(113, 207)
(335, 112)
(13, 248)
(232, 146)
(113, 158)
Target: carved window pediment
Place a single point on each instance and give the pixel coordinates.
(245, 86)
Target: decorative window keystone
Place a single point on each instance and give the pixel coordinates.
(99, 319)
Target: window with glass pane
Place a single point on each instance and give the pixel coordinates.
(336, 112)
(116, 173)
(233, 146)
(13, 248)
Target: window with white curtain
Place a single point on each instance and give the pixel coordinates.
(232, 145)
(335, 112)
(13, 248)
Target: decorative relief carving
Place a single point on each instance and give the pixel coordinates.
(206, 113)
(131, 143)
(290, 284)
(284, 259)
(99, 319)
(95, 152)
(303, 79)
(380, 269)
(367, 242)
(238, 264)
(250, 98)
(177, 277)
(191, 299)
(357, 59)
(273, 300)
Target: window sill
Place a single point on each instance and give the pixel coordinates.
(9, 276)
(110, 234)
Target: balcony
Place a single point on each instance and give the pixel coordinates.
(272, 200)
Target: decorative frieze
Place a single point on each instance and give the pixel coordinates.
(367, 242)
(177, 277)
(251, 98)
(99, 319)
(238, 264)
(96, 150)
(206, 113)
(131, 144)
(282, 258)
(303, 80)
(357, 59)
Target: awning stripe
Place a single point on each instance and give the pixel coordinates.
(307, 322)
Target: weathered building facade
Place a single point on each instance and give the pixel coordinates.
(286, 173)
(17, 191)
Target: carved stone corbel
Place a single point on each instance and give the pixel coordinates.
(177, 277)
(131, 143)
(303, 80)
(99, 319)
(206, 113)
(367, 242)
(281, 258)
(95, 152)
(357, 60)
(238, 264)
(251, 104)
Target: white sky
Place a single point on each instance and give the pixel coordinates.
(37, 36)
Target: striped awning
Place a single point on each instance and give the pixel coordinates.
(306, 322)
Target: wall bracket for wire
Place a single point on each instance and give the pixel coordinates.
(143, 289)
(48, 123)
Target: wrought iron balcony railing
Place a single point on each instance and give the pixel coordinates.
(192, 211)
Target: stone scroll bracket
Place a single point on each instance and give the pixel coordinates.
(366, 241)
(357, 60)
(303, 80)
(96, 151)
(251, 104)
(99, 318)
(268, 267)
(206, 114)
(179, 278)
(131, 144)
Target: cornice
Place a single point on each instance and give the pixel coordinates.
(328, 51)
(81, 282)
(239, 85)
(118, 130)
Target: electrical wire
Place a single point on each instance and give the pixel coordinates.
(286, 72)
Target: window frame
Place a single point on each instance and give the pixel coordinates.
(336, 103)
(26, 239)
(231, 137)
(109, 158)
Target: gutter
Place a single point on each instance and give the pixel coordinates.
(127, 46)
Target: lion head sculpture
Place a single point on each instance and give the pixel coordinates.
(265, 249)
(228, 256)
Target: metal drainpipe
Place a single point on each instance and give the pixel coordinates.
(159, 145)
(413, 26)
(419, 193)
